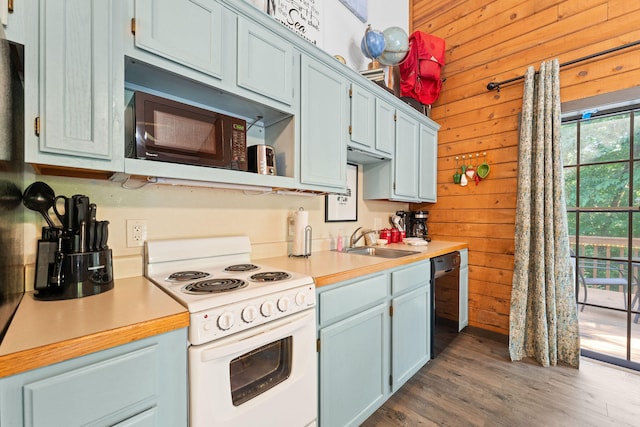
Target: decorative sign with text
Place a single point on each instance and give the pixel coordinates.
(300, 16)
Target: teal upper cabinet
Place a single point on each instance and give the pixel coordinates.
(12, 16)
(73, 85)
(372, 126)
(411, 175)
(405, 185)
(428, 163)
(385, 127)
(324, 130)
(188, 32)
(363, 109)
(265, 62)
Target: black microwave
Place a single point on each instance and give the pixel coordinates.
(170, 131)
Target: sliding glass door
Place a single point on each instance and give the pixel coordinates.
(601, 155)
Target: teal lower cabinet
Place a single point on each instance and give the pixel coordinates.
(373, 335)
(143, 383)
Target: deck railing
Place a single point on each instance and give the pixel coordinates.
(608, 248)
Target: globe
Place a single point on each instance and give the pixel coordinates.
(396, 46)
(372, 44)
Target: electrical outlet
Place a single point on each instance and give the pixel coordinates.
(377, 223)
(136, 232)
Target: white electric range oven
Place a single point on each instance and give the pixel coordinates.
(252, 338)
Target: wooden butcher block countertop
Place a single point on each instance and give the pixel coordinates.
(46, 332)
(327, 267)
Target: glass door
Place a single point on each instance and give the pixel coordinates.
(601, 156)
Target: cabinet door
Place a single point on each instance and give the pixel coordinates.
(142, 383)
(265, 62)
(464, 289)
(12, 20)
(323, 123)
(75, 80)
(406, 160)
(385, 126)
(410, 334)
(185, 31)
(428, 164)
(362, 128)
(354, 367)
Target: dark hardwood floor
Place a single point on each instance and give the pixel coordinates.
(474, 383)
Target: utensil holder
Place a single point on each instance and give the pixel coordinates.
(62, 276)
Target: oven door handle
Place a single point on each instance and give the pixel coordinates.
(243, 343)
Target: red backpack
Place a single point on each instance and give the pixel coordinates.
(420, 71)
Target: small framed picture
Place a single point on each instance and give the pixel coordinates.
(344, 207)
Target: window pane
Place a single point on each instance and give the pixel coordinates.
(570, 186)
(604, 186)
(604, 234)
(569, 143)
(605, 139)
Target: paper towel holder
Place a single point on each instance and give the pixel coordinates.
(307, 242)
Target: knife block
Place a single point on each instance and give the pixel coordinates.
(62, 275)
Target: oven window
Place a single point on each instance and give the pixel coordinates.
(259, 370)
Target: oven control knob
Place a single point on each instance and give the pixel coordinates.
(249, 314)
(226, 320)
(301, 299)
(283, 304)
(267, 308)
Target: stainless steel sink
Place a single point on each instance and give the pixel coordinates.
(379, 252)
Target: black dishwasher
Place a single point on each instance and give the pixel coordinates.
(445, 300)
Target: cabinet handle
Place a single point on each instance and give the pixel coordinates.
(36, 126)
(10, 6)
(133, 26)
(318, 345)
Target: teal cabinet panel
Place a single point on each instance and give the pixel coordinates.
(114, 384)
(265, 62)
(406, 159)
(410, 334)
(354, 367)
(363, 110)
(428, 164)
(323, 126)
(188, 32)
(414, 275)
(71, 83)
(385, 127)
(351, 298)
(464, 289)
(142, 383)
(12, 20)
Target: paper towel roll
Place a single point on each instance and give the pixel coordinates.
(300, 223)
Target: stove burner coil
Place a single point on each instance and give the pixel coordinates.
(270, 276)
(214, 286)
(241, 267)
(185, 276)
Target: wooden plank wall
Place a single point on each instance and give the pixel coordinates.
(494, 41)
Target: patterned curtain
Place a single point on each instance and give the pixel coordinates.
(543, 322)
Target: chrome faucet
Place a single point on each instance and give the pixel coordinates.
(353, 240)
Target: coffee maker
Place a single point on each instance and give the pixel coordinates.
(73, 260)
(417, 224)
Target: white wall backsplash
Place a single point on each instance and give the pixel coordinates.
(173, 212)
